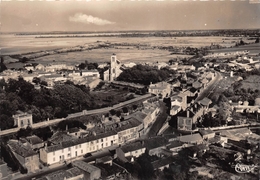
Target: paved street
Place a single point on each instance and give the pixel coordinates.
(156, 126)
(210, 88)
(90, 112)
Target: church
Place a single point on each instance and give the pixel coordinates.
(114, 70)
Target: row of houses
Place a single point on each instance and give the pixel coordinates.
(66, 146)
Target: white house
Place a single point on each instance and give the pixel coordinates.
(22, 119)
(71, 149)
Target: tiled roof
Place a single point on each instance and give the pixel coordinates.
(73, 172)
(175, 144)
(59, 137)
(130, 124)
(175, 107)
(191, 138)
(205, 101)
(156, 142)
(132, 147)
(20, 149)
(74, 142)
(139, 116)
(104, 159)
(85, 166)
(64, 174)
(197, 148)
(162, 162)
(34, 139)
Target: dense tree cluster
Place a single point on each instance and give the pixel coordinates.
(43, 104)
(145, 74)
(239, 93)
(88, 65)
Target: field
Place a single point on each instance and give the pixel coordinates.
(103, 55)
(11, 44)
(252, 48)
(252, 82)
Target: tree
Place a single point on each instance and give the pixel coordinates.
(112, 112)
(118, 113)
(82, 66)
(146, 171)
(125, 110)
(36, 80)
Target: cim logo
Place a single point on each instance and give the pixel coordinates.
(243, 168)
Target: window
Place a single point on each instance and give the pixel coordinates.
(80, 146)
(62, 150)
(81, 151)
(69, 149)
(97, 141)
(101, 140)
(54, 159)
(68, 155)
(76, 146)
(54, 153)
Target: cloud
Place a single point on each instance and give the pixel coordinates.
(88, 19)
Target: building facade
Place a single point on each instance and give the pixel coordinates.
(114, 70)
(71, 149)
(22, 119)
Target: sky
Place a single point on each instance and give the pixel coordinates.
(105, 15)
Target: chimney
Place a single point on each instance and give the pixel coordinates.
(66, 127)
(188, 113)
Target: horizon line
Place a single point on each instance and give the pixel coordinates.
(100, 31)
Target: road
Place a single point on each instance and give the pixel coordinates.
(210, 88)
(156, 126)
(90, 112)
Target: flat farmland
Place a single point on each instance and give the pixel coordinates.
(252, 48)
(12, 44)
(103, 55)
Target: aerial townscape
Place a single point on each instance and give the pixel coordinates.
(89, 103)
